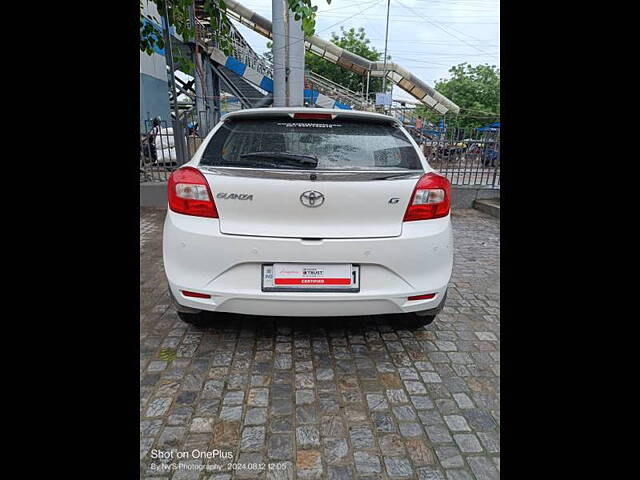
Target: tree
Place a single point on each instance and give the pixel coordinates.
(476, 90)
(178, 17)
(303, 10)
(178, 14)
(355, 42)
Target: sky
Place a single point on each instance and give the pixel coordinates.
(427, 37)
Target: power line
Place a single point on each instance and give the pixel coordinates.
(423, 61)
(337, 23)
(435, 43)
(332, 8)
(408, 59)
(439, 54)
(342, 8)
(458, 2)
(478, 111)
(369, 5)
(443, 29)
(455, 18)
(333, 14)
(418, 22)
(368, 23)
(432, 5)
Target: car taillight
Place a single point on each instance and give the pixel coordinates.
(430, 199)
(312, 116)
(189, 193)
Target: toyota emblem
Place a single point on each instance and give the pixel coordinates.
(312, 199)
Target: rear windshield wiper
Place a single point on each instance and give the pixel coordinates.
(292, 159)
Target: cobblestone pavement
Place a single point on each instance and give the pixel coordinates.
(326, 398)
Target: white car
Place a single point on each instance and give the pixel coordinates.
(308, 212)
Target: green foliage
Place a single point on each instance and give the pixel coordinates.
(167, 354)
(182, 60)
(217, 11)
(476, 90)
(149, 36)
(269, 53)
(354, 41)
(178, 17)
(303, 10)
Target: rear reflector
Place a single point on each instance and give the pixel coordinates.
(187, 293)
(312, 116)
(426, 296)
(189, 193)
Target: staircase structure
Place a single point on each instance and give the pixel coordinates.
(248, 95)
(317, 84)
(246, 67)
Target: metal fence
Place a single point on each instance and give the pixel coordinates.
(158, 153)
(465, 156)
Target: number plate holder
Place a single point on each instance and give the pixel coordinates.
(298, 277)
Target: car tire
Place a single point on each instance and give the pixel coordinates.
(198, 319)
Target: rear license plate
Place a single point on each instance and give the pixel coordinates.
(299, 277)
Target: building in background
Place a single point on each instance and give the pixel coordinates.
(154, 87)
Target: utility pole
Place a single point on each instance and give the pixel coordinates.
(288, 57)
(386, 38)
(295, 39)
(367, 94)
(279, 54)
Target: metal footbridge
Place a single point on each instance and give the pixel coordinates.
(248, 76)
(349, 61)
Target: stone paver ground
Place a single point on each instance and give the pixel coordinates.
(326, 398)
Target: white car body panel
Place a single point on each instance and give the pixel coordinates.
(275, 209)
(356, 224)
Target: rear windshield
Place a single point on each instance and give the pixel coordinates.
(340, 144)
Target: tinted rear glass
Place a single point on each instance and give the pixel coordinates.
(340, 144)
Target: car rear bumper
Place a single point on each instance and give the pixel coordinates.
(198, 258)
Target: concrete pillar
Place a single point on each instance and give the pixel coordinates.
(279, 52)
(295, 83)
(288, 57)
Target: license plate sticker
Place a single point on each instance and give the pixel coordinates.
(295, 276)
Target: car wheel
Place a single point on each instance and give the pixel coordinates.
(414, 321)
(198, 319)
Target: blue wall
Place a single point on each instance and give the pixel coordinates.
(154, 98)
